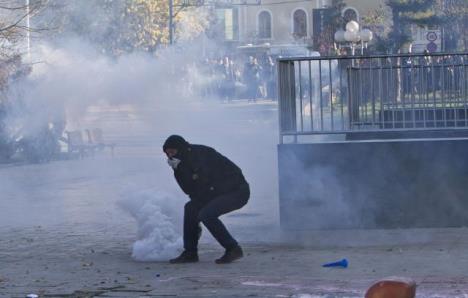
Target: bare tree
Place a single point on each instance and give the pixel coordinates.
(14, 32)
(14, 25)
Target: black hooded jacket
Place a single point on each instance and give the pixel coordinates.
(204, 173)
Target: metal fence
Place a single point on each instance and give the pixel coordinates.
(340, 95)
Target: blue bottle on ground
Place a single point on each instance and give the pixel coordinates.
(343, 264)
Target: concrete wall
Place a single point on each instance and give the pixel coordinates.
(374, 184)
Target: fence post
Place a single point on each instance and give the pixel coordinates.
(287, 97)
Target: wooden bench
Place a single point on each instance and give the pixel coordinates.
(77, 145)
(96, 138)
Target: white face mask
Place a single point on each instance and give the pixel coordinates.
(173, 162)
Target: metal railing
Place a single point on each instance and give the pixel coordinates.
(341, 95)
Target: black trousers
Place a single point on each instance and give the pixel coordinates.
(209, 215)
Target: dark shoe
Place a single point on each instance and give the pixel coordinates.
(231, 255)
(185, 257)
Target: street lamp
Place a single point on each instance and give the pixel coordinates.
(352, 26)
(366, 36)
(28, 31)
(353, 36)
(171, 22)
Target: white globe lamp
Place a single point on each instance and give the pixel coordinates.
(366, 35)
(352, 26)
(340, 36)
(351, 36)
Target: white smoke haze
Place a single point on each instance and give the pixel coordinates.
(159, 95)
(156, 214)
(76, 79)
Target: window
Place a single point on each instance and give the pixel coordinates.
(264, 25)
(300, 23)
(228, 23)
(350, 14)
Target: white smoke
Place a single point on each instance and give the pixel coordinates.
(163, 91)
(71, 78)
(155, 212)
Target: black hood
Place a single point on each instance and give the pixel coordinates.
(176, 142)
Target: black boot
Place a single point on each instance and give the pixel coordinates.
(185, 257)
(231, 255)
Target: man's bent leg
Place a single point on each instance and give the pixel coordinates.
(191, 227)
(191, 235)
(221, 205)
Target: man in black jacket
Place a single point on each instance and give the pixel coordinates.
(215, 185)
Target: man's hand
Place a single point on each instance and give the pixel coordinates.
(173, 162)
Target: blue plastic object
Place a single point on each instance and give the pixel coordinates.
(343, 264)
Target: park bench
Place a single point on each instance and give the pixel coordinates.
(76, 144)
(96, 139)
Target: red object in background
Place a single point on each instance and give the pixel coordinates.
(393, 287)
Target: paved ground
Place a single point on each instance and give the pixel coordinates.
(80, 261)
(63, 233)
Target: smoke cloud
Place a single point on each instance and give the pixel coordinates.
(155, 213)
(73, 82)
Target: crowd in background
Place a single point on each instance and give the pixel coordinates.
(244, 77)
(433, 73)
(404, 80)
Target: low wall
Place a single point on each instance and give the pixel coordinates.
(374, 184)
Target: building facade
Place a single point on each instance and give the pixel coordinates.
(295, 26)
(289, 24)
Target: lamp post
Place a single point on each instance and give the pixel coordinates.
(353, 36)
(171, 22)
(366, 36)
(28, 31)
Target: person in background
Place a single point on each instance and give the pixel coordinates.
(229, 79)
(269, 70)
(252, 78)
